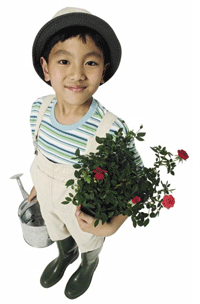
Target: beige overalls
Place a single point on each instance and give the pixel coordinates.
(49, 179)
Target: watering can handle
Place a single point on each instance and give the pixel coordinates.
(26, 205)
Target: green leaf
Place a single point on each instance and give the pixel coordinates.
(69, 182)
(139, 138)
(141, 134)
(98, 140)
(134, 222)
(77, 152)
(77, 166)
(153, 215)
(109, 136)
(65, 202)
(87, 196)
(76, 203)
(111, 214)
(146, 222)
(154, 149)
(77, 174)
(92, 195)
(68, 199)
(87, 179)
(135, 188)
(90, 206)
(96, 223)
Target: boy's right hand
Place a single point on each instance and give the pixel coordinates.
(32, 194)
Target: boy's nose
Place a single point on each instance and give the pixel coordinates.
(77, 73)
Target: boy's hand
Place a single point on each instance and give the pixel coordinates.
(86, 223)
(32, 194)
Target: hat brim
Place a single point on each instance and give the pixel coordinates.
(77, 19)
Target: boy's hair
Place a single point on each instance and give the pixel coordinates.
(82, 32)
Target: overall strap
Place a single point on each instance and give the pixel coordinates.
(46, 102)
(104, 127)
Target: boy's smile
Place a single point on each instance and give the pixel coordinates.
(75, 70)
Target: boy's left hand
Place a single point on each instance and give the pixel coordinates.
(86, 223)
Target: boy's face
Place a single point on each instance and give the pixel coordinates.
(75, 70)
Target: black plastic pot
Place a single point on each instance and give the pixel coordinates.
(91, 212)
(88, 211)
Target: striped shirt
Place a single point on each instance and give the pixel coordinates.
(59, 142)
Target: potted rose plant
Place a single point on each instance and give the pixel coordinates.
(109, 182)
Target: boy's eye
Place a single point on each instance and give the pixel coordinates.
(91, 63)
(63, 62)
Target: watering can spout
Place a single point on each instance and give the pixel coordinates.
(17, 177)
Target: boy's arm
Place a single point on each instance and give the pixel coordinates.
(86, 223)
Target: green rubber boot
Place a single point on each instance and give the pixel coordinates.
(81, 279)
(68, 253)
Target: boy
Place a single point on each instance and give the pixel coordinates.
(75, 53)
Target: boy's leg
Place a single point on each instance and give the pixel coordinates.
(68, 253)
(81, 279)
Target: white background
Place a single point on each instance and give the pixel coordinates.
(156, 86)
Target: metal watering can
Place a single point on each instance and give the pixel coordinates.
(33, 227)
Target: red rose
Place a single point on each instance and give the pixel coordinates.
(182, 154)
(136, 200)
(99, 173)
(99, 176)
(168, 201)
